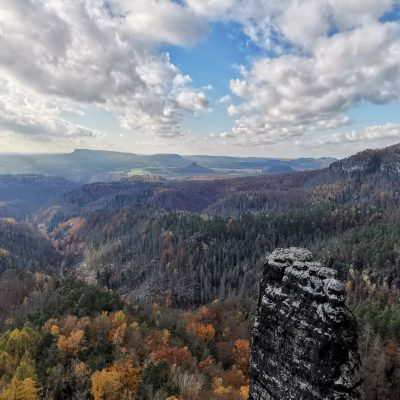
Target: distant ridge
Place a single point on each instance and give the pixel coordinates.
(91, 151)
(195, 168)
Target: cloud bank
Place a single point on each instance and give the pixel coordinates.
(324, 57)
(318, 59)
(92, 52)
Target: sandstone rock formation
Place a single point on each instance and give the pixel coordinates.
(386, 161)
(304, 342)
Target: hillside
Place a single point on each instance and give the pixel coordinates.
(27, 258)
(20, 195)
(385, 160)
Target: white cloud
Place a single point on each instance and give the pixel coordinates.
(224, 99)
(329, 56)
(212, 8)
(25, 113)
(294, 94)
(232, 110)
(208, 87)
(301, 22)
(226, 135)
(85, 53)
(162, 21)
(181, 80)
(291, 95)
(191, 100)
(369, 134)
(324, 57)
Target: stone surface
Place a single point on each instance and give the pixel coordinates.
(304, 342)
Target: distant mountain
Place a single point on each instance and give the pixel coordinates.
(386, 160)
(279, 168)
(85, 166)
(194, 169)
(262, 163)
(165, 160)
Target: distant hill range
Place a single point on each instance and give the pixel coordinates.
(97, 178)
(86, 166)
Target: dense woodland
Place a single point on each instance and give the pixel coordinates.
(147, 287)
(84, 342)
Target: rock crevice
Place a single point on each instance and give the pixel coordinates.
(304, 340)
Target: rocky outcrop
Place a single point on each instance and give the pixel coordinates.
(304, 342)
(385, 161)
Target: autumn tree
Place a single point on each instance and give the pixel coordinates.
(119, 317)
(242, 351)
(119, 382)
(205, 332)
(174, 355)
(20, 390)
(20, 341)
(26, 369)
(71, 344)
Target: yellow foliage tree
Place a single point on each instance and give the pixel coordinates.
(222, 390)
(26, 369)
(20, 390)
(71, 344)
(120, 381)
(106, 385)
(244, 392)
(165, 336)
(20, 341)
(119, 317)
(7, 366)
(55, 330)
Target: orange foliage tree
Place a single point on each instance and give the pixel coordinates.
(118, 382)
(71, 344)
(205, 332)
(242, 350)
(174, 355)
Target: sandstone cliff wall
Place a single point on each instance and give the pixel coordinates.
(304, 341)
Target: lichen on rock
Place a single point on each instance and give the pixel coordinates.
(304, 339)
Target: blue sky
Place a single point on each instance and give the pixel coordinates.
(214, 61)
(230, 77)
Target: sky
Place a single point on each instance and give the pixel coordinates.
(273, 78)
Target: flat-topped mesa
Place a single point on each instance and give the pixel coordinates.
(304, 339)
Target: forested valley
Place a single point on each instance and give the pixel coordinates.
(145, 288)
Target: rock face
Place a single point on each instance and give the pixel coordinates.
(386, 161)
(304, 342)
